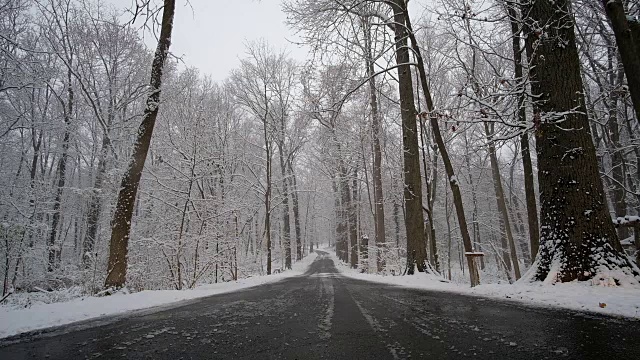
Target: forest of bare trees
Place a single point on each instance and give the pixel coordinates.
(480, 141)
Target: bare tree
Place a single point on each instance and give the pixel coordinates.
(121, 224)
(263, 85)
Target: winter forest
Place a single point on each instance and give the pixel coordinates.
(482, 141)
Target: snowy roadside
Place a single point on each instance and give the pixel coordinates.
(615, 301)
(14, 320)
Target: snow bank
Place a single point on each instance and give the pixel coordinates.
(618, 301)
(15, 320)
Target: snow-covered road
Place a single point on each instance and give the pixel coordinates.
(323, 315)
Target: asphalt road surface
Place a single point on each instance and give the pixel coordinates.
(323, 315)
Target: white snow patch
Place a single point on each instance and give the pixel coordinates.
(15, 320)
(626, 220)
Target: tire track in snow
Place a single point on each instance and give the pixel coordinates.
(327, 291)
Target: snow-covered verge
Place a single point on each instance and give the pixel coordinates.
(15, 320)
(616, 301)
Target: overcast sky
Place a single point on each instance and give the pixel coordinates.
(211, 34)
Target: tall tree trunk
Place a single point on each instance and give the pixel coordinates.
(516, 214)
(617, 156)
(296, 211)
(341, 228)
(353, 220)
(476, 228)
(629, 53)
(286, 219)
(396, 225)
(346, 209)
(306, 223)
(183, 220)
(577, 238)
(502, 204)
(32, 184)
(447, 215)
(433, 190)
(414, 224)
(121, 223)
(267, 199)
(53, 248)
(430, 231)
(95, 206)
(376, 127)
(529, 189)
(453, 181)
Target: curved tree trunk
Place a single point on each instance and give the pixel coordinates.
(121, 223)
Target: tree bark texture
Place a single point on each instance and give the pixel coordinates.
(414, 224)
(121, 223)
(577, 235)
(286, 218)
(296, 211)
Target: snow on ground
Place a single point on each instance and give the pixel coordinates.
(17, 320)
(616, 301)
